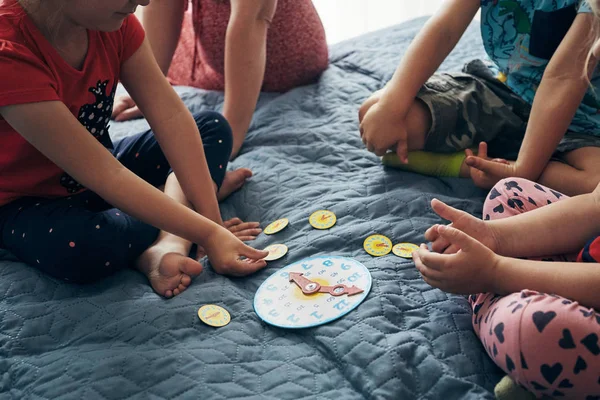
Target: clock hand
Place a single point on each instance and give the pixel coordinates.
(339, 290)
(307, 286)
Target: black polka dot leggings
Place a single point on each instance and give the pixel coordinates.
(82, 238)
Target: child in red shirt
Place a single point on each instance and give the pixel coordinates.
(60, 71)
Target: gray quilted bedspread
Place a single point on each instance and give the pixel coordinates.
(118, 340)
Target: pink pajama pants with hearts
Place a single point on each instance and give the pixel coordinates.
(546, 343)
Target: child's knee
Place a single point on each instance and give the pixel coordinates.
(590, 181)
(214, 126)
(501, 197)
(372, 100)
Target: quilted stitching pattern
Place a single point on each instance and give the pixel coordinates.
(118, 340)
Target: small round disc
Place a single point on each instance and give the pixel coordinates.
(322, 219)
(404, 250)
(276, 251)
(377, 245)
(214, 315)
(276, 226)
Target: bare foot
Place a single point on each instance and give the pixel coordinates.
(233, 181)
(168, 271)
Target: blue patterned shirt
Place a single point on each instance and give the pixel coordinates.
(520, 37)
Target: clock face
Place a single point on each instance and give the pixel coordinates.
(276, 251)
(322, 219)
(405, 250)
(377, 245)
(214, 315)
(281, 303)
(276, 226)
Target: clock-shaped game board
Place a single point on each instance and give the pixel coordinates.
(312, 292)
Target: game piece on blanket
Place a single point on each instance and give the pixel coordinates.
(426, 163)
(214, 315)
(276, 226)
(377, 245)
(404, 250)
(276, 251)
(322, 219)
(312, 292)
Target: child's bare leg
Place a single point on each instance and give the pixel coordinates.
(578, 175)
(166, 262)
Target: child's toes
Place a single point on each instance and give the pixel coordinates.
(168, 294)
(185, 280)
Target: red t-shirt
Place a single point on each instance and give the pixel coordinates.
(31, 71)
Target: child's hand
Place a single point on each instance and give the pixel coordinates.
(485, 173)
(125, 109)
(465, 222)
(244, 231)
(382, 130)
(471, 270)
(224, 252)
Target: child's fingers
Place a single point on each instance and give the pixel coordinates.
(120, 105)
(431, 234)
(445, 211)
(248, 232)
(253, 254)
(380, 152)
(451, 249)
(244, 226)
(246, 238)
(489, 167)
(130, 113)
(433, 261)
(456, 237)
(423, 269)
(402, 150)
(483, 149)
(246, 267)
(232, 222)
(439, 245)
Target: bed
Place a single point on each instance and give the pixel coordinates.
(118, 340)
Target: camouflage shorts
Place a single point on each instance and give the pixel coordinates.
(473, 106)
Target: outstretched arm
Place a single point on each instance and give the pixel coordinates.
(53, 130)
(245, 60)
(556, 101)
(562, 227)
(383, 126)
(162, 21)
(476, 269)
(174, 128)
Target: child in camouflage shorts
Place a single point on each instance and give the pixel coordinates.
(530, 104)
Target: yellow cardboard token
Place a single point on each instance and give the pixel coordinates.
(405, 250)
(214, 315)
(322, 219)
(377, 245)
(276, 251)
(276, 226)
